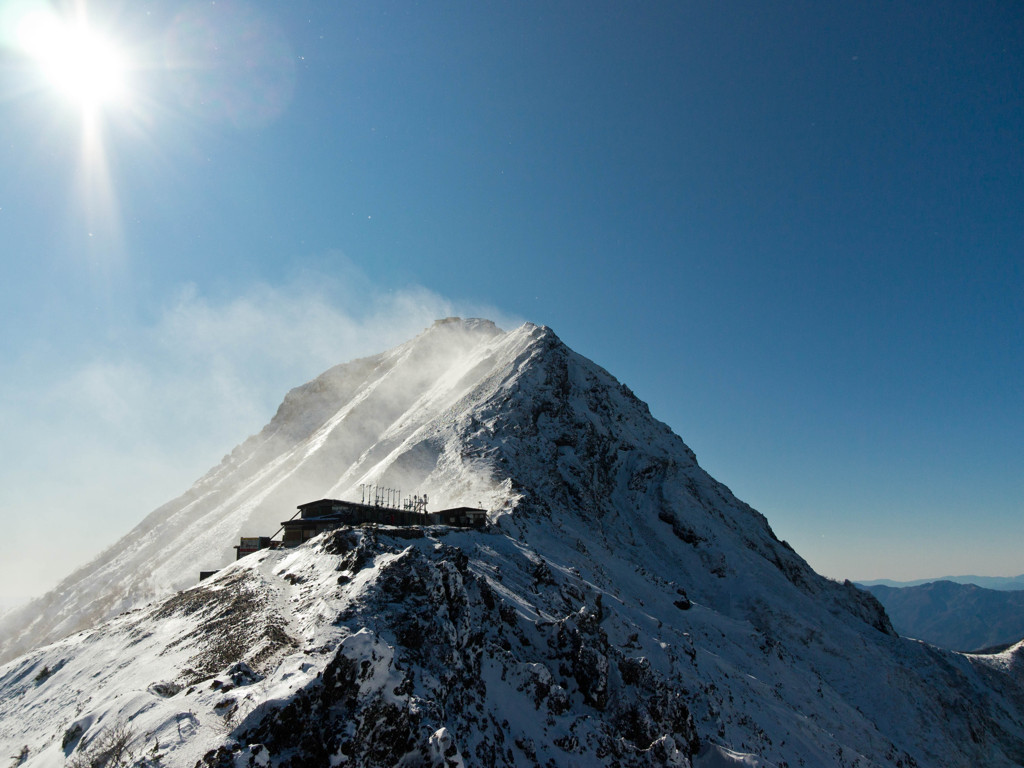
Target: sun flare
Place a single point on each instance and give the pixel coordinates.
(79, 62)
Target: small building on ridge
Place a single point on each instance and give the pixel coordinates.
(315, 517)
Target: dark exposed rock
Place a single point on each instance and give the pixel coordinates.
(165, 690)
(71, 736)
(439, 630)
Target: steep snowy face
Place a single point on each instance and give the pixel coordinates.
(582, 456)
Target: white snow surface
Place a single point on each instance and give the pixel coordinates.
(623, 607)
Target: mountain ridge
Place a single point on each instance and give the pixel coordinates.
(1001, 583)
(960, 617)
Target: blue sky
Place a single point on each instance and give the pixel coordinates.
(794, 229)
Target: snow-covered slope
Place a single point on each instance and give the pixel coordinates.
(365, 421)
(623, 608)
(394, 647)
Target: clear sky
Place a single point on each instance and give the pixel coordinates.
(795, 229)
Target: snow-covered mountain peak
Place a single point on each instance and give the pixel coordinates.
(514, 422)
(622, 607)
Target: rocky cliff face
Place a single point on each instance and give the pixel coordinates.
(622, 607)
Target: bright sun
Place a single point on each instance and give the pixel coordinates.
(77, 61)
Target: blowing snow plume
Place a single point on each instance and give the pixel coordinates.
(379, 419)
(621, 608)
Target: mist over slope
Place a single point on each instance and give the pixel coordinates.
(623, 607)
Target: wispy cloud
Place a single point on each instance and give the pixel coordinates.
(98, 446)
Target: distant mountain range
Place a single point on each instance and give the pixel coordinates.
(1002, 583)
(960, 617)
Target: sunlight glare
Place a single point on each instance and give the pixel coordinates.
(78, 62)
